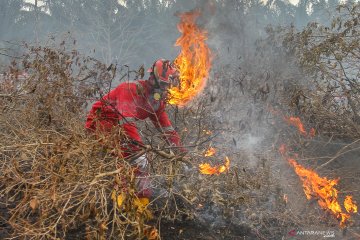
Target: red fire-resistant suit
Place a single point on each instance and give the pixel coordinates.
(126, 104)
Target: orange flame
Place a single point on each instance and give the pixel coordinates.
(316, 187)
(210, 152)
(206, 168)
(350, 205)
(322, 189)
(312, 132)
(295, 121)
(193, 62)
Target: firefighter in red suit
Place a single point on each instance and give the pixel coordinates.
(135, 101)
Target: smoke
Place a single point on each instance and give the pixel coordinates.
(249, 72)
(135, 34)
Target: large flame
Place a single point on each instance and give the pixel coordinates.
(324, 191)
(193, 62)
(206, 168)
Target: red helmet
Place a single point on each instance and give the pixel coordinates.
(163, 71)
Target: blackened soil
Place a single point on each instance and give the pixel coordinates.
(191, 229)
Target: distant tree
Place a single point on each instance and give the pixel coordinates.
(36, 23)
(102, 26)
(301, 14)
(10, 14)
(330, 55)
(322, 11)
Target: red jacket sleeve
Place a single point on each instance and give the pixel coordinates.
(131, 132)
(162, 122)
(102, 114)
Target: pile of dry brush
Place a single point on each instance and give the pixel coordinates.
(56, 178)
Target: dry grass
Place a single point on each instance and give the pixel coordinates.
(56, 179)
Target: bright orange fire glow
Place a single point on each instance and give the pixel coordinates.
(295, 121)
(206, 168)
(350, 205)
(193, 62)
(322, 189)
(210, 152)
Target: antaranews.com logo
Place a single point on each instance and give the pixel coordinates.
(299, 233)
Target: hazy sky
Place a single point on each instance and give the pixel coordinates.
(291, 1)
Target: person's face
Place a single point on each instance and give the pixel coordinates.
(164, 86)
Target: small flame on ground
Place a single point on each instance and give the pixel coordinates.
(312, 132)
(206, 168)
(210, 152)
(282, 149)
(285, 197)
(193, 62)
(207, 132)
(295, 121)
(350, 205)
(322, 189)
